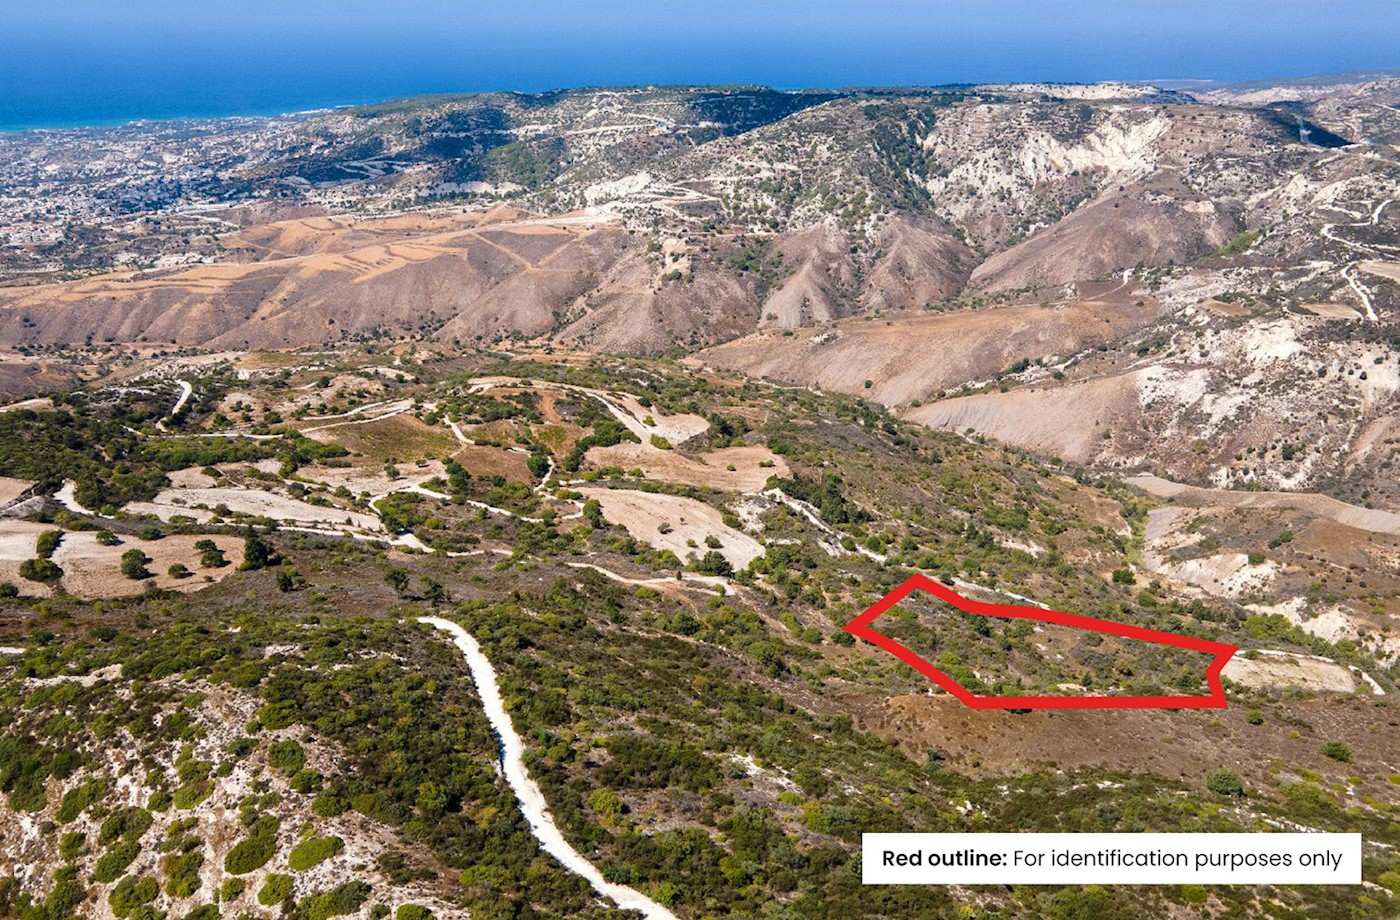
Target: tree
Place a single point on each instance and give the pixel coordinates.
(180, 570)
(134, 564)
(1224, 782)
(434, 592)
(210, 556)
(257, 552)
(397, 579)
(714, 563)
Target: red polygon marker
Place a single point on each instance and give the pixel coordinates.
(860, 628)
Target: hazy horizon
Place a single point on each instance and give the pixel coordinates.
(92, 63)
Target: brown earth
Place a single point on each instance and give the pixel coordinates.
(910, 356)
(822, 279)
(1152, 223)
(707, 470)
(480, 460)
(93, 570)
(1068, 422)
(916, 263)
(1180, 744)
(402, 438)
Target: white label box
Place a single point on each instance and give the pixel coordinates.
(1111, 859)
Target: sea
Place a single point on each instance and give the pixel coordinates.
(53, 79)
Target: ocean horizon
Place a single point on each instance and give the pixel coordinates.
(98, 69)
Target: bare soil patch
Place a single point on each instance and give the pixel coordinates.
(1290, 671)
(12, 489)
(709, 470)
(93, 570)
(688, 522)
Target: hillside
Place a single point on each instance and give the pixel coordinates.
(659, 582)
(451, 507)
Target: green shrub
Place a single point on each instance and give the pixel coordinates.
(276, 889)
(47, 543)
(286, 757)
(314, 850)
(250, 853)
(714, 563)
(131, 892)
(306, 781)
(41, 570)
(70, 846)
(1224, 782)
(130, 823)
(133, 564)
(413, 912)
(182, 871)
(329, 804)
(339, 901)
(191, 794)
(75, 801)
(110, 865)
(1337, 750)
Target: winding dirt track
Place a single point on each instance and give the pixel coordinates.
(527, 792)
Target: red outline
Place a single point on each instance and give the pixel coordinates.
(860, 628)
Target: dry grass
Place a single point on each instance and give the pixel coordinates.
(709, 470)
(402, 438)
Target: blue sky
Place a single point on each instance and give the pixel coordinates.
(70, 60)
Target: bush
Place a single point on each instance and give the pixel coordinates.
(47, 543)
(182, 872)
(252, 853)
(179, 570)
(339, 901)
(276, 889)
(1337, 750)
(1256, 558)
(413, 912)
(130, 893)
(110, 865)
(134, 564)
(40, 570)
(1224, 782)
(286, 757)
(107, 538)
(314, 850)
(257, 552)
